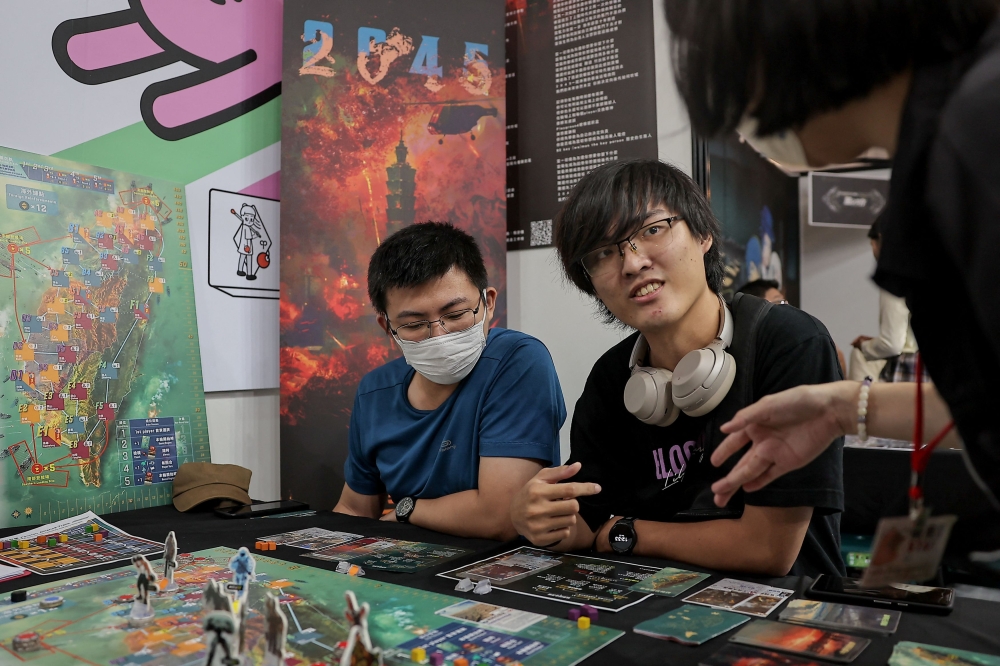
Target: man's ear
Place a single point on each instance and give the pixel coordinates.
(382, 322)
(706, 243)
(491, 299)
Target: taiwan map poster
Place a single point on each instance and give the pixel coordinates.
(392, 113)
(101, 399)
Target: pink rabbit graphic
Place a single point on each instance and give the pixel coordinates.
(234, 45)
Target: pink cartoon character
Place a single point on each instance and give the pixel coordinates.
(234, 45)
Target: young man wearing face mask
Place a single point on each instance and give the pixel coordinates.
(640, 238)
(454, 428)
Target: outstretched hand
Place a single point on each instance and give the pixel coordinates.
(545, 510)
(787, 431)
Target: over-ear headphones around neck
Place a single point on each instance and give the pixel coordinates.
(696, 386)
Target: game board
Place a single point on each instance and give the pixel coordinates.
(79, 551)
(102, 396)
(91, 625)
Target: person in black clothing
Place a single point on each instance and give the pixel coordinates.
(641, 239)
(769, 290)
(821, 83)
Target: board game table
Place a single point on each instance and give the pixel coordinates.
(974, 625)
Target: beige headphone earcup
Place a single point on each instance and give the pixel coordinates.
(703, 378)
(718, 389)
(648, 397)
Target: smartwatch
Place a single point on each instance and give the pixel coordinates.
(404, 508)
(622, 536)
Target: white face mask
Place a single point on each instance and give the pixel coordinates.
(446, 359)
(785, 148)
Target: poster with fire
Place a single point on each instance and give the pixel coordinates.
(393, 113)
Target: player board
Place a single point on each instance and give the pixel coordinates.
(91, 623)
(74, 543)
(569, 579)
(102, 396)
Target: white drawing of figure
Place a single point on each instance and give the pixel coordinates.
(252, 242)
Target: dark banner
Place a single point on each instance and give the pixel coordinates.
(757, 205)
(582, 93)
(393, 112)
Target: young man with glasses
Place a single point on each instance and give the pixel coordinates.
(641, 239)
(469, 414)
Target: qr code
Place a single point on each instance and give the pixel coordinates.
(541, 233)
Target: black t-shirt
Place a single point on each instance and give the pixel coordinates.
(664, 474)
(941, 238)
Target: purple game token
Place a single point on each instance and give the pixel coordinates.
(437, 659)
(589, 611)
(573, 614)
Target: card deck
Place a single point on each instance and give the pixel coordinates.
(669, 582)
(918, 654)
(742, 655)
(740, 596)
(690, 625)
(840, 616)
(798, 639)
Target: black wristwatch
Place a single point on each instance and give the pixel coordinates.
(622, 536)
(404, 508)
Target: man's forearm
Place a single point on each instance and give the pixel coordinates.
(891, 412)
(725, 545)
(465, 514)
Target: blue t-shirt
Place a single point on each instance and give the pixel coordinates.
(509, 406)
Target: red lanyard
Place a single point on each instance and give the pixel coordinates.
(921, 454)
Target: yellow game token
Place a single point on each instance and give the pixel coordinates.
(418, 654)
(583, 622)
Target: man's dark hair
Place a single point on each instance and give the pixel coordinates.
(610, 202)
(793, 59)
(420, 253)
(759, 288)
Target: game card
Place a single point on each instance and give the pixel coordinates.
(742, 655)
(798, 639)
(669, 582)
(388, 554)
(741, 597)
(904, 550)
(511, 567)
(840, 616)
(563, 577)
(690, 625)
(490, 616)
(918, 654)
(311, 538)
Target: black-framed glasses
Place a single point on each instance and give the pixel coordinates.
(649, 238)
(452, 322)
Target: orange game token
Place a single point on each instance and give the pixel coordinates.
(272, 545)
(260, 545)
(98, 537)
(40, 540)
(461, 661)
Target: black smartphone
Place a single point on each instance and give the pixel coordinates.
(917, 598)
(262, 509)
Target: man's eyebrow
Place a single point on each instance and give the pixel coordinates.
(444, 308)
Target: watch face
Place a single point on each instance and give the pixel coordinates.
(621, 537)
(405, 506)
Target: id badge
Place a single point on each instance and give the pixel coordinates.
(906, 550)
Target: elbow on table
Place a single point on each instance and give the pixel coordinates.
(777, 558)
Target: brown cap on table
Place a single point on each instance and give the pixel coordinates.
(198, 482)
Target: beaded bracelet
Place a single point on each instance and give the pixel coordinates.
(866, 386)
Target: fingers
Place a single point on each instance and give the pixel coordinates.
(557, 474)
(549, 539)
(730, 445)
(749, 468)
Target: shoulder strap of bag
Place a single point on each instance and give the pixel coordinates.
(748, 311)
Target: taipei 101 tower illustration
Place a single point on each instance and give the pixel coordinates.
(400, 200)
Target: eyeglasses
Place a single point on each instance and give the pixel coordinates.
(610, 258)
(453, 322)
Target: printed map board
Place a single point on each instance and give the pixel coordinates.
(91, 624)
(102, 396)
